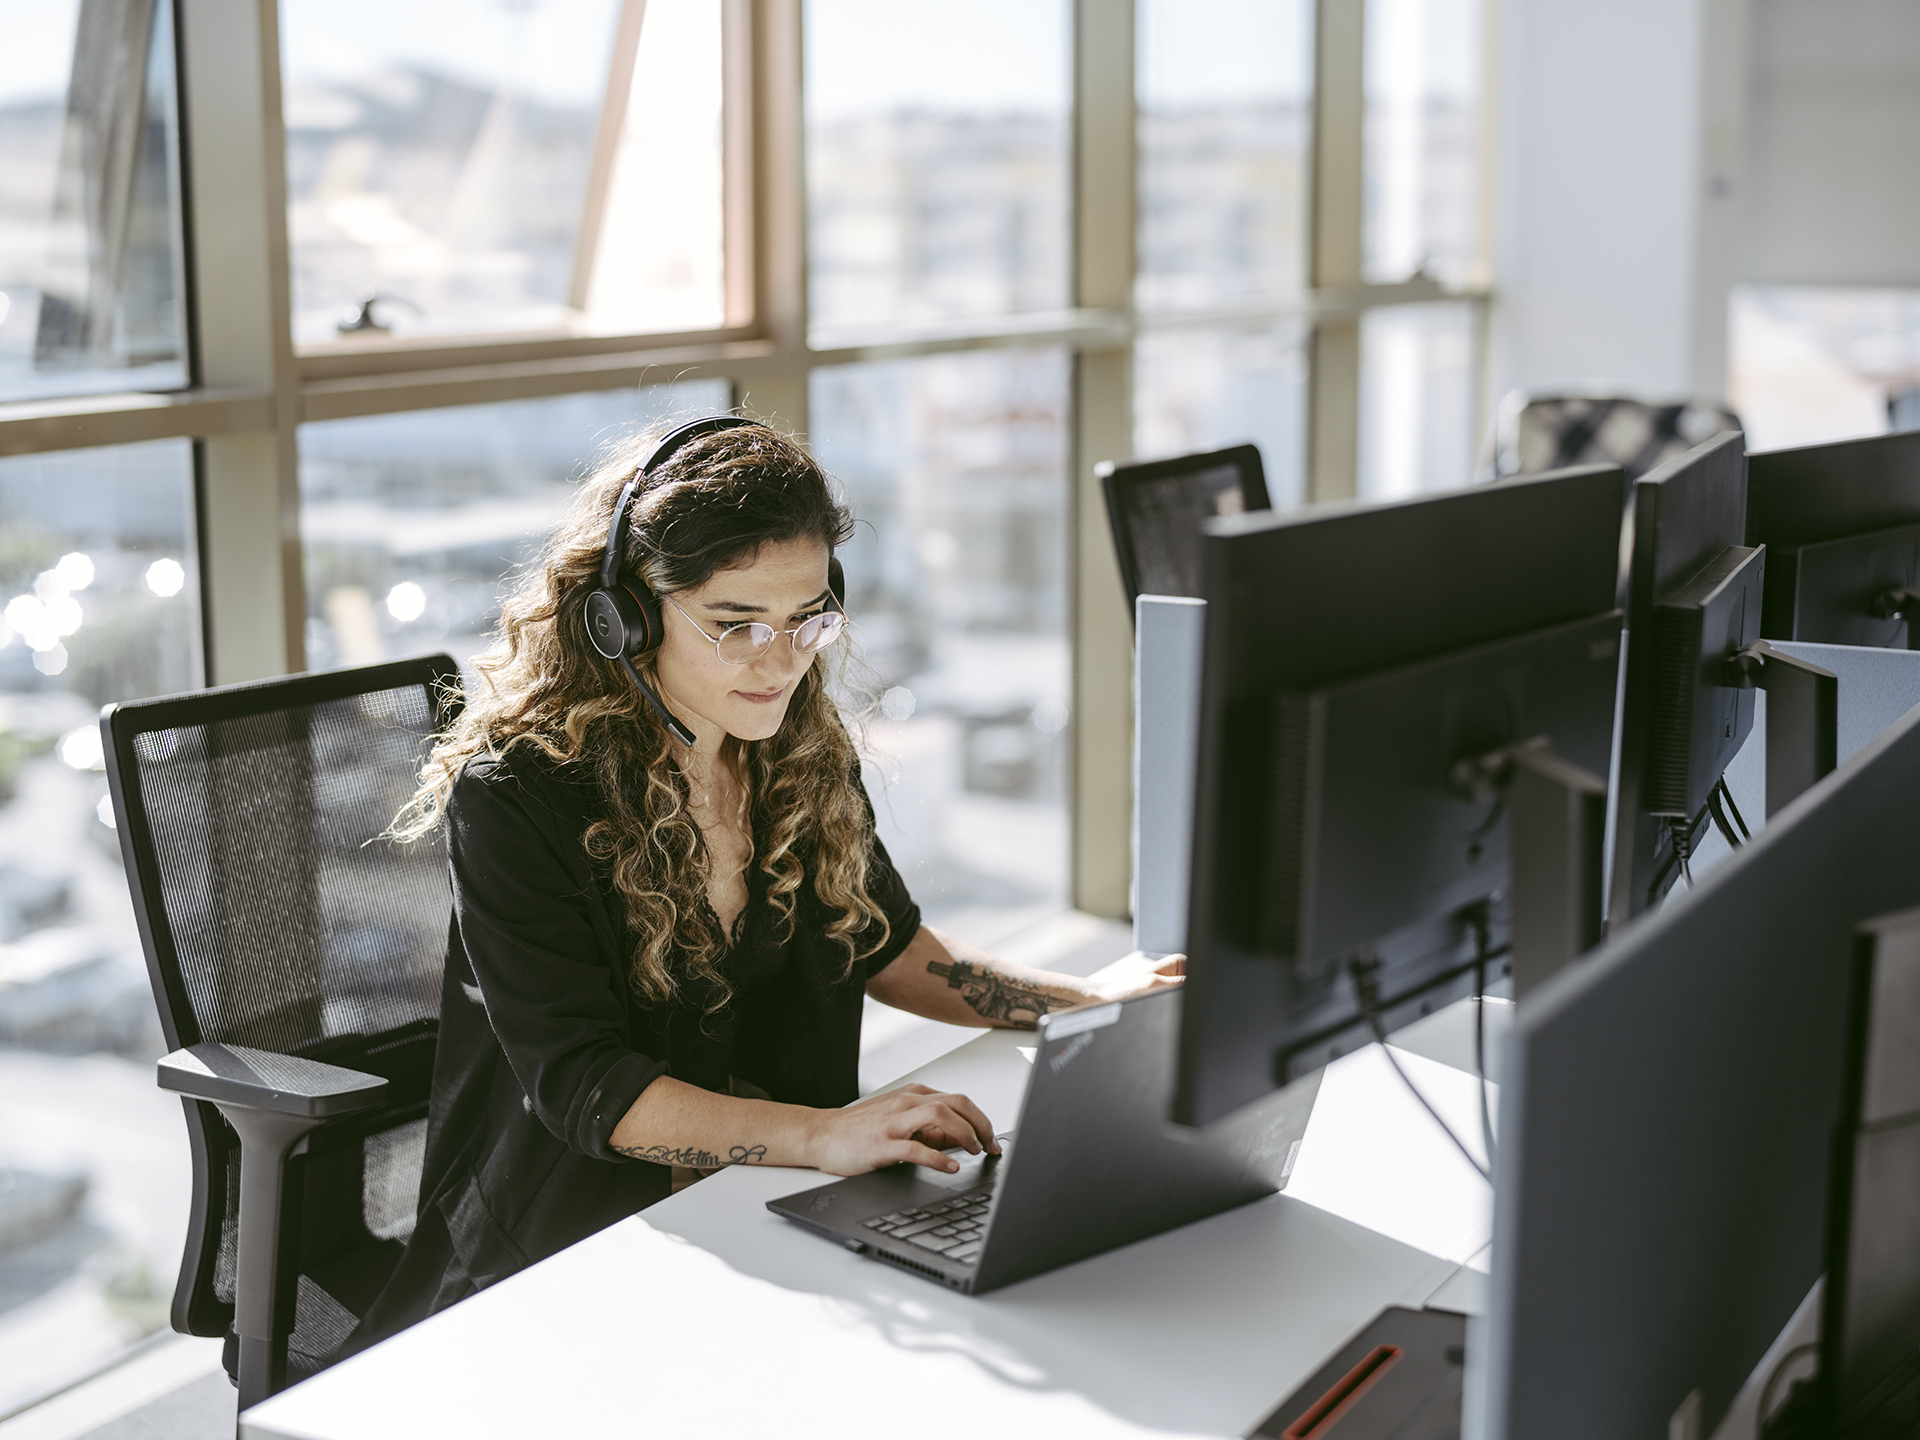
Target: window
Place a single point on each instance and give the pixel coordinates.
(957, 588)
(502, 168)
(1811, 364)
(1423, 140)
(1204, 389)
(100, 588)
(414, 523)
(937, 160)
(1225, 140)
(1417, 399)
(90, 252)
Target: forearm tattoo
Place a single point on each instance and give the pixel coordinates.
(994, 996)
(694, 1159)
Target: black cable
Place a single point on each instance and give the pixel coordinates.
(1482, 946)
(1362, 972)
(1727, 795)
(1720, 821)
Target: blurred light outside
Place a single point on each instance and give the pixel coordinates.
(1224, 137)
(956, 469)
(440, 156)
(1423, 140)
(1207, 388)
(165, 577)
(90, 263)
(1809, 365)
(937, 160)
(406, 601)
(78, 1031)
(415, 523)
(1417, 399)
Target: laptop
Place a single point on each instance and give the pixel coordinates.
(1092, 1164)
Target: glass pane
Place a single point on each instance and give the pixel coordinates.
(412, 521)
(957, 583)
(99, 590)
(1808, 365)
(1206, 389)
(1224, 135)
(1423, 141)
(90, 250)
(937, 159)
(1416, 399)
(442, 154)
(659, 262)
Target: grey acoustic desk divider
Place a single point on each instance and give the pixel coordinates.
(1168, 635)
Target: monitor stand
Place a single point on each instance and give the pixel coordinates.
(1556, 838)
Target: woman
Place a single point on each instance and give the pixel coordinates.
(669, 899)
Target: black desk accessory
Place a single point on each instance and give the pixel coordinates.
(1398, 1379)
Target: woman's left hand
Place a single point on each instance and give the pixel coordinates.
(1138, 976)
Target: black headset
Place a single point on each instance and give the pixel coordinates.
(623, 616)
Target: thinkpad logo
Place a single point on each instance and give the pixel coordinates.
(821, 1202)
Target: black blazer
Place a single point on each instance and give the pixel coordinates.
(544, 1045)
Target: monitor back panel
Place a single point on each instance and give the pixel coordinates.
(1686, 516)
(1815, 494)
(1666, 1125)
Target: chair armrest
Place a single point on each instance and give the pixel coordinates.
(264, 1080)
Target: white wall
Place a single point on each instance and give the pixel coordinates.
(1833, 144)
(1617, 166)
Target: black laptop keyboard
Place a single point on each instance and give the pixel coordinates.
(953, 1228)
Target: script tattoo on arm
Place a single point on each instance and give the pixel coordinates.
(694, 1159)
(994, 996)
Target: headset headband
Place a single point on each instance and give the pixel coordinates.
(662, 452)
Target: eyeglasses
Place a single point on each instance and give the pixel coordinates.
(744, 643)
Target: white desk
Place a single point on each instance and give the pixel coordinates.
(706, 1315)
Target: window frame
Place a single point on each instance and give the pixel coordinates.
(251, 388)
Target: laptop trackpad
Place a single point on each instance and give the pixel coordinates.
(969, 1173)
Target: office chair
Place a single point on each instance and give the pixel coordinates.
(1539, 431)
(296, 959)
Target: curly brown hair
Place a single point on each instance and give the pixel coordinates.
(709, 507)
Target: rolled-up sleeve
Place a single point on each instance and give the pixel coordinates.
(536, 932)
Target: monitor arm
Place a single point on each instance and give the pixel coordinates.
(1557, 818)
(1803, 718)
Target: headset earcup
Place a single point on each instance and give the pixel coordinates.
(640, 608)
(837, 581)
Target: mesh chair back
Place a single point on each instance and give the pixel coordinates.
(275, 914)
(1549, 432)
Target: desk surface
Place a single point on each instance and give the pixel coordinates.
(707, 1315)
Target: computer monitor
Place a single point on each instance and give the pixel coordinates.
(1693, 604)
(1841, 524)
(1870, 1312)
(1666, 1119)
(1384, 691)
(1156, 509)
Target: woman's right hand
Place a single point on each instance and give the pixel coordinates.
(914, 1123)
